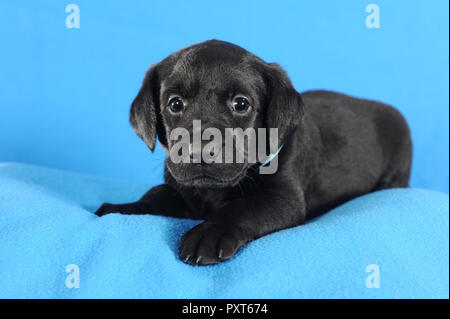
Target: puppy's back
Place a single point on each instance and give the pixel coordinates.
(361, 140)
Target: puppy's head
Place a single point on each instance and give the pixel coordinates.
(219, 86)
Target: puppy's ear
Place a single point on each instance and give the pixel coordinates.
(144, 114)
(285, 106)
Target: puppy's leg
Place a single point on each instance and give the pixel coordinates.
(160, 200)
(241, 221)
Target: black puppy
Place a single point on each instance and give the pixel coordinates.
(335, 148)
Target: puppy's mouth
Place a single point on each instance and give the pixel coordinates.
(207, 180)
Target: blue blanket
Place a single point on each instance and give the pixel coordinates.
(53, 246)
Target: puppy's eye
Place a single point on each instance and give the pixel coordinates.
(240, 104)
(176, 104)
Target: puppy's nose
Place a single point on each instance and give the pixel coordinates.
(196, 156)
(195, 153)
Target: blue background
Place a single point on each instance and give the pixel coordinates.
(65, 93)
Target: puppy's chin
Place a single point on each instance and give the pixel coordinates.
(208, 182)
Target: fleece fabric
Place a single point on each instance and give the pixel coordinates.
(388, 244)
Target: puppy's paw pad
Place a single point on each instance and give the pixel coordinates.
(210, 243)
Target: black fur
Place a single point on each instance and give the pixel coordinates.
(341, 147)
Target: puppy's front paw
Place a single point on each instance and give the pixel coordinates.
(105, 209)
(210, 243)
